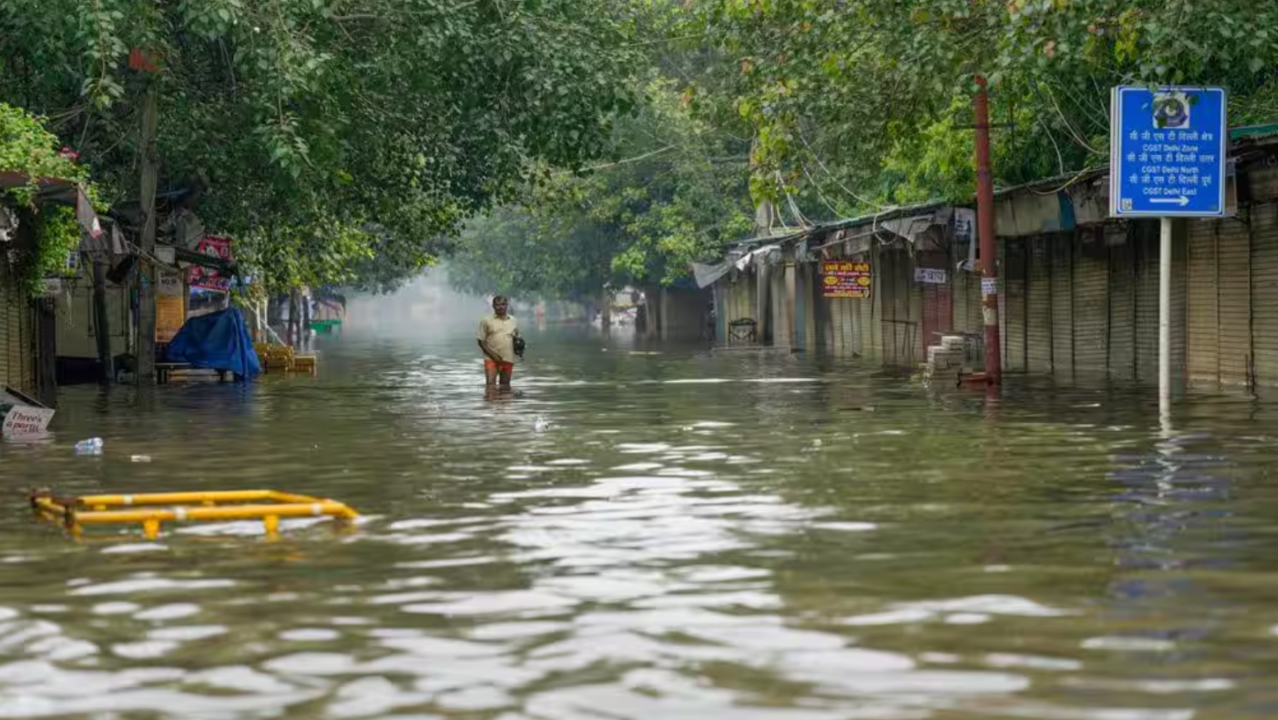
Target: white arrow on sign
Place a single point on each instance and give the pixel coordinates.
(1181, 201)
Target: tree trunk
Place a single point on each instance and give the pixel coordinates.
(150, 178)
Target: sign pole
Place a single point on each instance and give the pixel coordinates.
(987, 239)
(1168, 148)
(1164, 317)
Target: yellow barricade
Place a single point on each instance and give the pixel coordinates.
(151, 510)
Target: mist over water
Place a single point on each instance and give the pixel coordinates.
(426, 308)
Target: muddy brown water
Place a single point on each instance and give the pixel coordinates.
(673, 535)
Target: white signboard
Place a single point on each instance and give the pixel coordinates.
(169, 284)
(931, 276)
(23, 421)
(964, 225)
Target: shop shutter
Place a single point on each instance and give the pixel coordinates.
(1202, 315)
(1038, 304)
(1121, 362)
(913, 343)
(938, 311)
(1180, 301)
(1091, 301)
(779, 307)
(960, 282)
(870, 310)
(1012, 312)
(840, 322)
(891, 297)
(27, 346)
(1234, 252)
(17, 366)
(1063, 264)
(1264, 281)
(4, 328)
(1146, 252)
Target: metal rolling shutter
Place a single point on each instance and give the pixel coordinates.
(1091, 301)
(1121, 361)
(782, 335)
(13, 346)
(911, 333)
(1180, 300)
(4, 329)
(1038, 304)
(960, 283)
(1063, 263)
(893, 299)
(1012, 315)
(1202, 319)
(841, 325)
(27, 347)
(1234, 252)
(938, 311)
(1264, 279)
(870, 320)
(1147, 277)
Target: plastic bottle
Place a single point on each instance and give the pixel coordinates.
(92, 446)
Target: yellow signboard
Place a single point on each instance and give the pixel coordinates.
(170, 314)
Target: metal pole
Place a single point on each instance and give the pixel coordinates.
(985, 230)
(150, 176)
(1164, 317)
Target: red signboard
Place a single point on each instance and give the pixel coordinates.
(845, 279)
(210, 278)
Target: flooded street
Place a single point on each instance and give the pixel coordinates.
(673, 535)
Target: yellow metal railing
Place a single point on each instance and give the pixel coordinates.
(152, 510)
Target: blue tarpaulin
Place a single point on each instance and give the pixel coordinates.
(217, 341)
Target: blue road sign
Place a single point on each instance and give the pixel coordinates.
(1167, 152)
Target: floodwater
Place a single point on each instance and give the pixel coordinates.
(637, 536)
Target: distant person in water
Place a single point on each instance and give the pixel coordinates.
(497, 334)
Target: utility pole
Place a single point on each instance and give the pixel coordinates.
(150, 177)
(985, 231)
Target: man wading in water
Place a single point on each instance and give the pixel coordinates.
(497, 334)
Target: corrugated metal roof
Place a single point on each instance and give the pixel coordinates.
(1251, 133)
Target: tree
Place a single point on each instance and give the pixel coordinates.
(675, 193)
(336, 138)
(29, 149)
(859, 103)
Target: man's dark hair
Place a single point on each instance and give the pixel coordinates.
(501, 298)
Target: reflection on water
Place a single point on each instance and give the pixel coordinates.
(670, 535)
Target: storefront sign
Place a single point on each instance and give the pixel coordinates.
(170, 315)
(203, 278)
(845, 279)
(169, 284)
(22, 421)
(931, 276)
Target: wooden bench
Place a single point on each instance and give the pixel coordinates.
(164, 372)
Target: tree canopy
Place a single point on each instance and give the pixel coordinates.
(674, 191)
(336, 140)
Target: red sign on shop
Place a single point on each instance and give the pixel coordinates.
(205, 278)
(845, 279)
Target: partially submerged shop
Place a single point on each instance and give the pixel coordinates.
(1078, 291)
